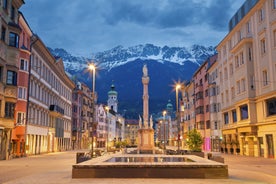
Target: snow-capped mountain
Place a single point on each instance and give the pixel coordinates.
(124, 67)
(119, 55)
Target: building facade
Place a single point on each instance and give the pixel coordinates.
(214, 108)
(9, 57)
(131, 132)
(247, 72)
(188, 116)
(19, 130)
(81, 116)
(49, 103)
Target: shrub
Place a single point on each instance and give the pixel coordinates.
(194, 140)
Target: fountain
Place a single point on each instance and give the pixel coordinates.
(148, 164)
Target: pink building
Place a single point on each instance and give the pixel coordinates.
(202, 102)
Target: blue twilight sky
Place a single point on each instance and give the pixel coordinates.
(83, 27)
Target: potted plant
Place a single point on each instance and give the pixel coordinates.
(194, 142)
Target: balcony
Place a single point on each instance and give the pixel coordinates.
(56, 111)
(241, 43)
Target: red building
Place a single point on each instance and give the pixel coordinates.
(18, 133)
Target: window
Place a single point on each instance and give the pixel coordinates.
(207, 108)
(20, 118)
(237, 62)
(226, 118)
(214, 107)
(265, 78)
(13, 40)
(9, 110)
(242, 85)
(263, 48)
(244, 112)
(216, 125)
(3, 34)
(261, 14)
(5, 4)
(11, 78)
(248, 27)
(22, 93)
(12, 13)
(234, 115)
(274, 4)
(23, 65)
(208, 124)
(250, 53)
(238, 87)
(241, 58)
(271, 106)
(231, 69)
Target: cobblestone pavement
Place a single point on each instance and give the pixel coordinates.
(56, 168)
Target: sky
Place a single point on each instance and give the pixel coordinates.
(84, 27)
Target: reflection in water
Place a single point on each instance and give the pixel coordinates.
(149, 159)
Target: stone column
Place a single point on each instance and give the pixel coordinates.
(145, 81)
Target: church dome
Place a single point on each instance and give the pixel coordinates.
(112, 90)
(169, 105)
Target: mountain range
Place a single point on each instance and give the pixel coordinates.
(123, 68)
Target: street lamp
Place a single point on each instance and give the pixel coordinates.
(107, 120)
(92, 68)
(177, 87)
(164, 125)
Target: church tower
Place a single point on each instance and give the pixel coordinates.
(112, 101)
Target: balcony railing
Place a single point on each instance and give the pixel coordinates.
(56, 110)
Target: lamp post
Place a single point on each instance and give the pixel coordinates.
(164, 125)
(177, 87)
(107, 122)
(92, 68)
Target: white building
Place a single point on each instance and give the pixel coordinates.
(49, 103)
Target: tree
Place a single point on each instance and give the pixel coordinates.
(194, 140)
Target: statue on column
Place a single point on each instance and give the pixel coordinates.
(140, 122)
(145, 71)
(151, 122)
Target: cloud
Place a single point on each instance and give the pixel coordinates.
(83, 27)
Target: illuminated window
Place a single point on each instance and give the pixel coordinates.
(244, 112)
(271, 106)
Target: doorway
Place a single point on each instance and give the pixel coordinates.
(270, 146)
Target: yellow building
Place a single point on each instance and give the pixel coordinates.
(247, 73)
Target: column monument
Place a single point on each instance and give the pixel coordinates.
(145, 132)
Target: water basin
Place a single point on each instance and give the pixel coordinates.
(149, 159)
